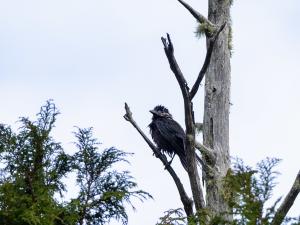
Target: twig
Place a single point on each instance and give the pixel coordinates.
(206, 62)
(169, 50)
(186, 201)
(287, 202)
(129, 118)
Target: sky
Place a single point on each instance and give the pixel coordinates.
(92, 56)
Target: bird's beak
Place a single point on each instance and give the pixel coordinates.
(153, 112)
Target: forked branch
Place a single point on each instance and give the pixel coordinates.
(186, 201)
(169, 50)
(195, 183)
(287, 202)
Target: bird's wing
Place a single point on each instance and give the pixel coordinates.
(171, 130)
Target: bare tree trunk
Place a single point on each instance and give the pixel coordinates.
(216, 107)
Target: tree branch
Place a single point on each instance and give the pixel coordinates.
(206, 62)
(287, 202)
(169, 50)
(198, 16)
(186, 201)
(207, 152)
(195, 183)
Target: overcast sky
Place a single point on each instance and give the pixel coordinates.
(92, 56)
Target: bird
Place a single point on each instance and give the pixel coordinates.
(167, 134)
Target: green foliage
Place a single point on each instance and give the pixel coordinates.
(173, 217)
(103, 190)
(204, 216)
(247, 191)
(32, 166)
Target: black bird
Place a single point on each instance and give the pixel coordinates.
(168, 134)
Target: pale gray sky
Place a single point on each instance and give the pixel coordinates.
(92, 56)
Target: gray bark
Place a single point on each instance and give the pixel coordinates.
(287, 202)
(216, 108)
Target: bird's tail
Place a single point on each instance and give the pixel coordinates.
(184, 163)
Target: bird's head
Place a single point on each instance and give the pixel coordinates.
(160, 111)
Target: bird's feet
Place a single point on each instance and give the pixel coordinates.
(155, 154)
(169, 163)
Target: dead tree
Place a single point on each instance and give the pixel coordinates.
(215, 126)
(190, 142)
